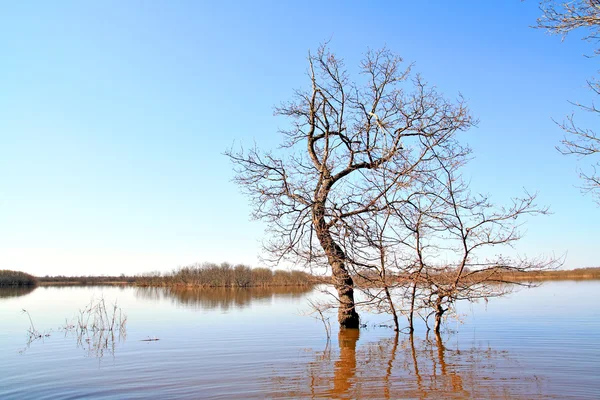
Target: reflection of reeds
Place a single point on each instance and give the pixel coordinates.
(96, 317)
(32, 333)
(98, 327)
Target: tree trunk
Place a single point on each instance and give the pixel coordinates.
(347, 315)
(388, 296)
(439, 312)
(342, 281)
(411, 314)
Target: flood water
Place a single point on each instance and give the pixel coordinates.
(535, 344)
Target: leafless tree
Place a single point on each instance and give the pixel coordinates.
(388, 250)
(584, 142)
(342, 134)
(469, 224)
(561, 19)
(398, 254)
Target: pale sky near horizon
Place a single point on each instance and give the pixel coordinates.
(114, 116)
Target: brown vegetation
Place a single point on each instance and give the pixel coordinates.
(557, 275)
(226, 275)
(201, 275)
(86, 280)
(16, 278)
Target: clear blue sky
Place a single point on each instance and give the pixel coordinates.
(114, 117)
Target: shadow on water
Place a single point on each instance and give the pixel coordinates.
(223, 299)
(408, 367)
(15, 291)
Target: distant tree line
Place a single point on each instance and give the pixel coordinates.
(226, 275)
(16, 278)
(572, 274)
(87, 280)
(199, 274)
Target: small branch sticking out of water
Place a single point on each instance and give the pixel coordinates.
(318, 309)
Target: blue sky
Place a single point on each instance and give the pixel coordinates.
(114, 117)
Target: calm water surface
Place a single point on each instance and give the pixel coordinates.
(535, 344)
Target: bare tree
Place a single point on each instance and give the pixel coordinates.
(388, 250)
(584, 142)
(468, 224)
(398, 254)
(342, 134)
(561, 19)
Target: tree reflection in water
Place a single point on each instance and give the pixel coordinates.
(220, 298)
(407, 367)
(15, 291)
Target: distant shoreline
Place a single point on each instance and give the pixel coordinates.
(91, 282)
(268, 279)
(579, 274)
(88, 282)
(197, 275)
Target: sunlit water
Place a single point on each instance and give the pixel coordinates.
(537, 343)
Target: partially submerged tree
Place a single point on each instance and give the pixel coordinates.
(398, 254)
(561, 19)
(468, 225)
(388, 250)
(343, 135)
